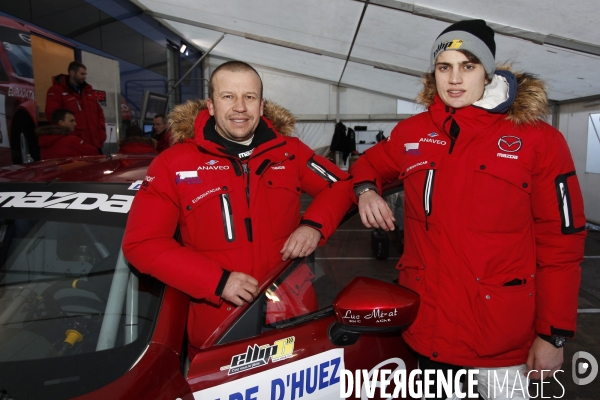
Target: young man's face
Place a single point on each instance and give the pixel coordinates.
(78, 77)
(159, 125)
(236, 104)
(68, 121)
(459, 82)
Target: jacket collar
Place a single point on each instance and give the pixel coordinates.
(519, 97)
(216, 149)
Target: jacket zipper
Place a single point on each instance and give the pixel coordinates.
(227, 218)
(428, 195)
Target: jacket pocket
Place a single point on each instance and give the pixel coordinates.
(419, 179)
(412, 273)
(208, 215)
(504, 318)
(501, 200)
(283, 197)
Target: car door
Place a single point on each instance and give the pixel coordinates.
(288, 345)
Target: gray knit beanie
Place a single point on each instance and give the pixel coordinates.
(471, 35)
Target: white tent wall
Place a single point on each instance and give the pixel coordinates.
(573, 123)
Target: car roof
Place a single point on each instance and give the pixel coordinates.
(113, 168)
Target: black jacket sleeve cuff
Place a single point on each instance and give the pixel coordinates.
(222, 282)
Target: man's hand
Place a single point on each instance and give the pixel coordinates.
(543, 355)
(374, 211)
(240, 288)
(302, 242)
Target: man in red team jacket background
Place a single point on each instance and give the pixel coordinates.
(73, 93)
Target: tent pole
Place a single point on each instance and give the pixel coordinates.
(195, 64)
(337, 104)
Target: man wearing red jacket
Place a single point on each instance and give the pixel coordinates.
(232, 183)
(71, 92)
(161, 133)
(58, 140)
(494, 223)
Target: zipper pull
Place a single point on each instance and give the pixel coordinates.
(245, 168)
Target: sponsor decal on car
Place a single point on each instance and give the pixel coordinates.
(71, 201)
(257, 356)
(136, 185)
(411, 149)
(377, 315)
(311, 378)
(189, 177)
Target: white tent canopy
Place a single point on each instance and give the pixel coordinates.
(383, 46)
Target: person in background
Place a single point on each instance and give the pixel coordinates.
(232, 183)
(73, 93)
(135, 142)
(59, 140)
(161, 132)
(494, 222)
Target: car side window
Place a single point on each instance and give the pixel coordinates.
(310, 285)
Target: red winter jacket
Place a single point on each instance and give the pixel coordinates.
(59, 142)
(231, 216)
(494, 226)
(88, 113)
(137, 145)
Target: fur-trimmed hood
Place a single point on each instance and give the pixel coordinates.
(183, 116)
(530, 102)
(52, 130)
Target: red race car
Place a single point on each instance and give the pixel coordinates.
(78, 321)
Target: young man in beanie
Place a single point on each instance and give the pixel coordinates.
(494, 223)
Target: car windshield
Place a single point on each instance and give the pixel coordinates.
(68, 299)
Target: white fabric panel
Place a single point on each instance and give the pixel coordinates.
(396, 37)
(370, 78)
(407, 107)
(253, 52)
(304, 22)
(577, 20)
(388, 36)
(315, 134)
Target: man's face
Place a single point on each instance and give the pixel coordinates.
(459, 82)
(159, 125)
(78, 77)
(236, 104)
(68, 122)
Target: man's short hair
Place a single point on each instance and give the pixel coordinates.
(233, 66)
(163, 116)
(59, 115)
(75, 65)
